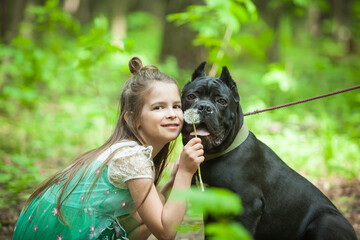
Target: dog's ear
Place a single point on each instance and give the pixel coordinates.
(199, 72)
(227, 79)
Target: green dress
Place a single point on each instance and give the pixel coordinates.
(93, 217)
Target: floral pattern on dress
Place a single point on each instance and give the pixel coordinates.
(95, 216)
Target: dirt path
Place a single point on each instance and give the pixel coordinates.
(344, 194)
(346, 197)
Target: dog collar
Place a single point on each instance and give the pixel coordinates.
(239, 139)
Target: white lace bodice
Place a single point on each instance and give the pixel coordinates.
(130, 162)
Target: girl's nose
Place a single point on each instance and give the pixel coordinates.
(171, 113)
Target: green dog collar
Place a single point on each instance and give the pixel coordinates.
(239, 139)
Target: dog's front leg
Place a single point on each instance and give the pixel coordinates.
(253, 209)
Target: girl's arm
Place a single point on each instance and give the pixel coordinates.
(140, 233)
(134, 227)
(138, 230)
(161, 219)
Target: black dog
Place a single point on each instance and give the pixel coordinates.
(278, 202)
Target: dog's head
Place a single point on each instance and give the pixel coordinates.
(217, 102)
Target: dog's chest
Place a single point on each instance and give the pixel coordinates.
(225, 171)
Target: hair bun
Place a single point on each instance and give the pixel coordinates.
(135, 65)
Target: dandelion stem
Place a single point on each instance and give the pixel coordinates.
(199, 172)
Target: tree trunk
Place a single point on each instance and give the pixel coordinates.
(313, 21)
(83, 10)
(177, 41)
(71, 6)
(12, 13)
(272, 16)
(342, 30)
(4, 20)
(118, 21)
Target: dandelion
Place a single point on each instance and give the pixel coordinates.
(191, 116)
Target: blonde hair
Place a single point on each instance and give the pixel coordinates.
(132, 101)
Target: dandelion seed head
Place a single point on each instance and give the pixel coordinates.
(191, 116)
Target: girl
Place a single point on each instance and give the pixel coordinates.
(110, 192)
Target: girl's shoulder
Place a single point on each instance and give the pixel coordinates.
(126, 149)
(129, 162)
(131, 150)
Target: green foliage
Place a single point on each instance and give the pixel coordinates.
(231, 231)
(316, 138)
(51, 18)
(218, 25)
(96, 44)
(17, 174)
(215, 201)
(50, 92)
(222, 205)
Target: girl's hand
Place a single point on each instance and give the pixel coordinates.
(191, 156)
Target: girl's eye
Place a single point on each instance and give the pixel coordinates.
(190, 97)
(177, 107)
(158, 108)
(222, 101)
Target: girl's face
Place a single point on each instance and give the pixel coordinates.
(161, 117)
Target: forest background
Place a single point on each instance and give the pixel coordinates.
(63, 65)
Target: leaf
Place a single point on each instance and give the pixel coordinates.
(227, 231)
(214, 201)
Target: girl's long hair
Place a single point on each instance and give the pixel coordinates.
(131, 104)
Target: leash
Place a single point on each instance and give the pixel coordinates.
(301, 101)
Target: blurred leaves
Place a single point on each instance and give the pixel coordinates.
(16, 175)
(217, 201)
(50, 17)
(217, 24)
(43, 82)
(98, 43)
(231, 231)
(222, 205)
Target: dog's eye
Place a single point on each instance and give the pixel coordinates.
(222, 101)
(190, 97)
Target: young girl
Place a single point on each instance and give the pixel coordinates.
(110, 192)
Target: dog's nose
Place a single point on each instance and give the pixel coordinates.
(206, 108)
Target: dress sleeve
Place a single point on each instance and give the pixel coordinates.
(130, 163)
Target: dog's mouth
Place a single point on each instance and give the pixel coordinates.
(213, 139)
(201, 132)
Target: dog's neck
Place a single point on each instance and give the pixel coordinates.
(241, 136)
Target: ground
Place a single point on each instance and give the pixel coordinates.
(346, 197)
(344, 194)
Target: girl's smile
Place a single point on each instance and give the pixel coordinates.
(173, 126)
